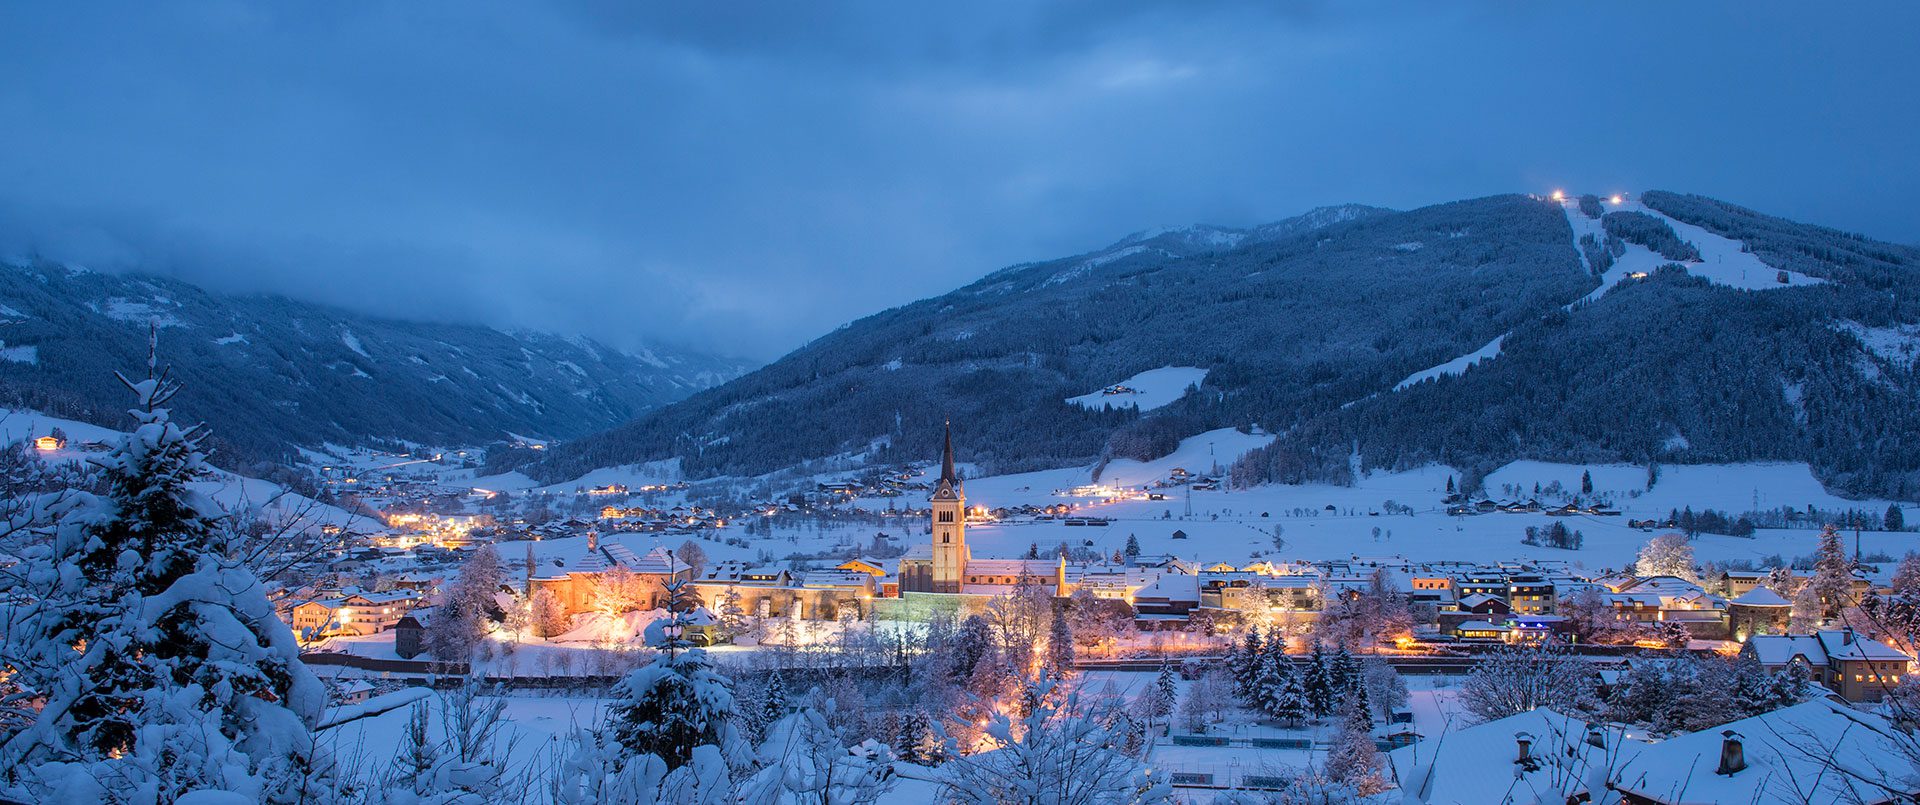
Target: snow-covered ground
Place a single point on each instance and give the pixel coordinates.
(1236, 525)
(1723, 261)
(1455, 366)
(1150, 389)
(234, 492)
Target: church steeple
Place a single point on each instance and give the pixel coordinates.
(948, 487)
(946, 458)
(949, 527)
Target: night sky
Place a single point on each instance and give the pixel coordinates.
(744, 177)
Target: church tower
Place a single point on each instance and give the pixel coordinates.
(949, 503)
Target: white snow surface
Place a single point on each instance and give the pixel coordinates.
(232, 492)
(1456, 366)
(19, 354)
(138, 312)
(1898, 345)
(353, 343)
(1152, 389)
(1723, 261)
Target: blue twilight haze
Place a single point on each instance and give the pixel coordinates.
(747, 176)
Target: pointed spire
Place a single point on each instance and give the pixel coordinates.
(946, 459)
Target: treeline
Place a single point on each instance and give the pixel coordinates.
(1651, 232)
(1816, 251)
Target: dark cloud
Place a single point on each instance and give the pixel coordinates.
(747, 176)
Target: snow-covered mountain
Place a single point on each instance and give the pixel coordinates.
(1666, 328)
(270, 373)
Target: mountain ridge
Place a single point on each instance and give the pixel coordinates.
(272, 373)
(1308, 334)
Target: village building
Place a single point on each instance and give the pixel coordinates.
(353, 614)
(1758, 611)
(1854, 666)
(575, 587)
(946, 566)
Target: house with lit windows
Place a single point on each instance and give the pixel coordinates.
(1857, 667)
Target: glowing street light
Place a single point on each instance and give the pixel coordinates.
(1559, 195)
(1617, 199)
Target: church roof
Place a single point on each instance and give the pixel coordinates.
(948, 487)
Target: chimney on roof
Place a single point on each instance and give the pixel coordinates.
(1846, 636)
(1596, 736)
(1733, 757)
(1524, 741)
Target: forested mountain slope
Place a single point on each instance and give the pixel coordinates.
(1291, 319)
(270, 373)
(1674, 368)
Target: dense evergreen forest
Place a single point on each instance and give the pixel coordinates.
(1305, 325)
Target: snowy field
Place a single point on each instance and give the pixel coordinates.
(1149, 390)
(1237, 526)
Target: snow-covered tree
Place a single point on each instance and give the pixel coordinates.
(733, 616)
(1515, 680)
(1323, 698)
(1244, 663)
(1384, 687)
(162, 666)
(1286, 697)
(802, 762)
(1832, 582)
(481, 576)
(1666, 555)
(678, 704)
(419, 752)
(454, 631)
(1156, 703)
(1063, 752)
(546, 614)
(1060, 643)
(1906, 577)
(1895, 519)
(1353, 759)
(774, 704)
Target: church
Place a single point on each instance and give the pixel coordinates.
(946, 567)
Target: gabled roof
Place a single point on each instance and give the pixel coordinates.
(1478, 764)
(1822, 647)
(1817, 751)
(1762, 597)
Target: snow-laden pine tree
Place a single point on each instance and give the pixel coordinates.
(802, 762)
(162, 666)
(1060, 643)
(677, 703)
(1064, 752)
(1832, 582)
(1245, 665)
(1322, 698)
